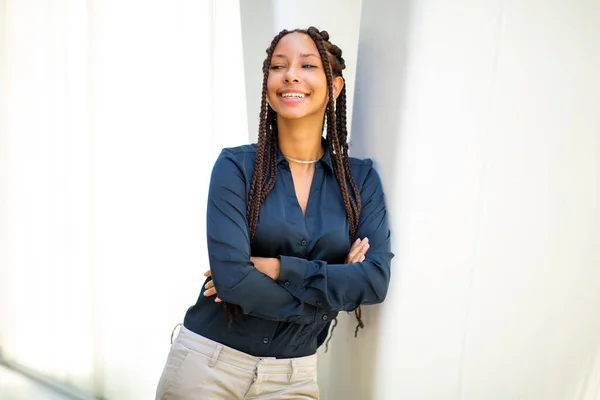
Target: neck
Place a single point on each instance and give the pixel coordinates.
(300, 139)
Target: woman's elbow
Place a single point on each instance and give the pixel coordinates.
(381, 286)
(381, 294)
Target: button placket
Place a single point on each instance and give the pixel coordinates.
(265, 338)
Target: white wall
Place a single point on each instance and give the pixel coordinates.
(483, 118)
(163, 107)
(115, 112)
(257, 32)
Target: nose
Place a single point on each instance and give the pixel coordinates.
(291, 75)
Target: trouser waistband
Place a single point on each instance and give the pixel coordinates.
(221, 353)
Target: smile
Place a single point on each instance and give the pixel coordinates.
(293, 95)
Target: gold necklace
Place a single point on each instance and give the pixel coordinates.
(300, 161)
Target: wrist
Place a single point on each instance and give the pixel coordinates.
(268, 266)
(275, 268)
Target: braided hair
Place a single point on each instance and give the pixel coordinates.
(265, 172)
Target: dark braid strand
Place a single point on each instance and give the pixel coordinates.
(266, 158)
(337, 135)
(259, 187)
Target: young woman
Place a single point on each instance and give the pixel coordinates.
(297, 232)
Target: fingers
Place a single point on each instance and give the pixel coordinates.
(211, 290)
(356, 246)
(358, 251)
(361, 250)
(360, 257)
(210, 286)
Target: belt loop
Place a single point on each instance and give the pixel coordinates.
(215, 356)
(173, 331)
(293, 369)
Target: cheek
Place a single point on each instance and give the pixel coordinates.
(271, 91)
(320, 88)
(321, 94)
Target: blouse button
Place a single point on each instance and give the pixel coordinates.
(324, 317)
(303, 242)
(287, 283)
(319, 304)
(266, 340)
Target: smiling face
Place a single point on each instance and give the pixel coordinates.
(297, 85)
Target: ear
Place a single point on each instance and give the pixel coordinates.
(338, 85)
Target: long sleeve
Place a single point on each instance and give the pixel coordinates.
(340, 287)
(235, 278)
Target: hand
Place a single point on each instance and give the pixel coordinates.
(357, 251)
(268, 266)
(210, 286)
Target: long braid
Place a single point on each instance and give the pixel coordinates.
(260, 187)
(342, 131)
(340, 111)
(336, 128)
(265, 169)
(272, 148)
(337, 135)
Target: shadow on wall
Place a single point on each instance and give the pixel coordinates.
(257, 32)
(378, 101)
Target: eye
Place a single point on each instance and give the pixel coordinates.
(309, 66)
(276, 66)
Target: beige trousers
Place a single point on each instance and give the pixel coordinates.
(198, 368)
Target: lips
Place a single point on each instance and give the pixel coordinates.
(292, 96)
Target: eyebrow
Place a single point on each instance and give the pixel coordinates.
(304, 55)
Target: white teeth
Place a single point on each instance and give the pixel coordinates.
(297, 95)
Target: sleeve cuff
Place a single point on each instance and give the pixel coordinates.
(291, 273)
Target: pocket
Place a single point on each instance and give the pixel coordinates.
(175, 359)
(177, 354)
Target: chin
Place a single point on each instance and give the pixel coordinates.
(292, 115)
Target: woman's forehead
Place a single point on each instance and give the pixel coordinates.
(296, 43)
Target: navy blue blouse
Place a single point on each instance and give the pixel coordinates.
(289, 317)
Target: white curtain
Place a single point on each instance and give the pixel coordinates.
(111, 115)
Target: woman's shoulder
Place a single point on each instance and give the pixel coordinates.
(365, 173)
(361, 162)
(240, 151)
(238, 159)
(361, 168)
(240, 155)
